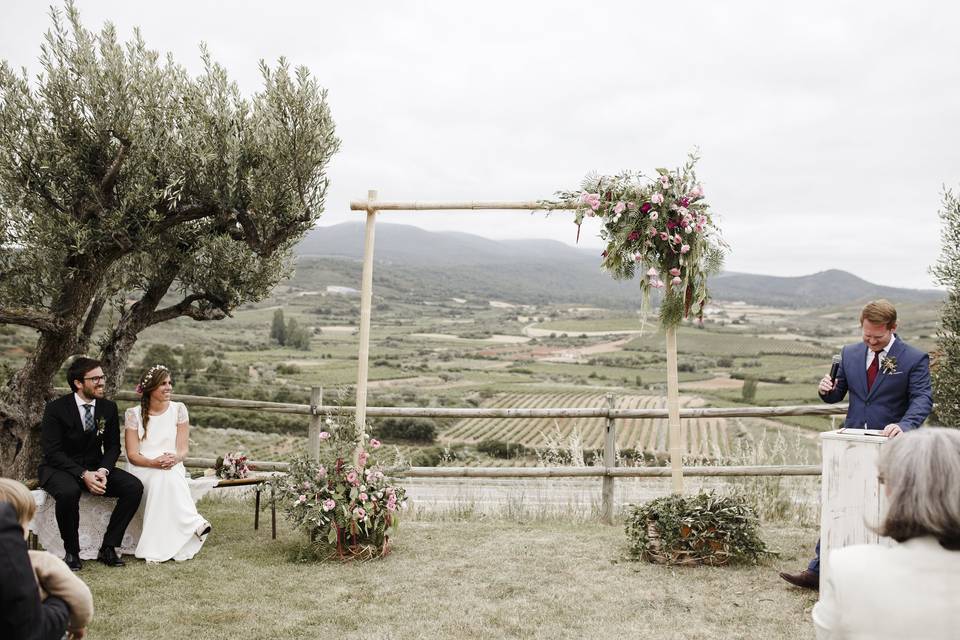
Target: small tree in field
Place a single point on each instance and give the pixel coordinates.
(946, 364)
(124, 182)
(278, 329)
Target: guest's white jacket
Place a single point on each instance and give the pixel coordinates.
(910, 590)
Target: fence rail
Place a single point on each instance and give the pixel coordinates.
(317, 411)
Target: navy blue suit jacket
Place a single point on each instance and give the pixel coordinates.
(902, 396)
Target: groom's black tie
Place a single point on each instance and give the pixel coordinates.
(88, 417)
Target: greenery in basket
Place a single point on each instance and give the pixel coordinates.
(703, 529)
(343, 502)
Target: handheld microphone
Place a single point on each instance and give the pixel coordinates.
(835, 367)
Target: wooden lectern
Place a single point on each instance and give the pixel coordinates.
(852, 498)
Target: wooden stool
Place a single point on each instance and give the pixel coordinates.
(257, 483)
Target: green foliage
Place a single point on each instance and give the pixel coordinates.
(501, 449)
(749, 390)
(946, 362)
(296, 336)
(703, 529)
(409, 429)
(278, 329)
(160, 354)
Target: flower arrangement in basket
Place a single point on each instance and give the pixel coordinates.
(344, 502)
(232, 466)
(703, 529)
(659, 227)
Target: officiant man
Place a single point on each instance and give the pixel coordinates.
(889, 386)
(80, 438)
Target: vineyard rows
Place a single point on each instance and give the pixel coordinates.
(705, 437)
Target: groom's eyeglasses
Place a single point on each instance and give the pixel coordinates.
(96, 378)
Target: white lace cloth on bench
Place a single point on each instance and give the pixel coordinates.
(94, 516)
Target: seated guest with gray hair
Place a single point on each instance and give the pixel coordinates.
(912, 589)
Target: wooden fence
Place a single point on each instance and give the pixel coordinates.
(317, 411)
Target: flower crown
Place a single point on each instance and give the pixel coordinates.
(152, 371)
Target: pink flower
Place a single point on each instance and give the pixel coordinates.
(359, 513)
(664, 235)
(362, 458)
(324, 435)
(652, 232)
(676, 281)
(697, 191)
(677, 239)
(685, 248)
(374, 443)
(301, 499)
(638, 257)
(138, 388)
(654, 215)
(321, 472)
(657, 198)
(329, 504)
(592, 200)
(664, 181)
(352, 478)
(656, 284)
(619, 208)
(653, 273)
(364, 497)
(391, 505)
(682, 211)
(675, 271)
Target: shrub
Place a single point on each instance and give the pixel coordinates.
(410, 429)
(749, 390)
(701, 529)
(501, 449)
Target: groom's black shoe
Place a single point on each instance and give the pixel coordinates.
(109, 557)
(73, 561)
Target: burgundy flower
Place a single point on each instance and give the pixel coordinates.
(671, 225)
(645, 207)
(684, 202)
(603, 255)
(634, 235)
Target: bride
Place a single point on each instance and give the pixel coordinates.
(156, 438)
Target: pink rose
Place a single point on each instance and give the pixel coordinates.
(664, 182)
(364, 497)
(592, 200)
(352, 478)
(676, 281)
(324, 435)
(362, 458)
(359, 513)
(374, 443)
(391, 506)
(321, 472)
(652, 232)
(685, 248)
(675, 271)
(657, 198)
(653, 273)
(619, 208)
(664, 235)
(301, 499)
(657, 284)
(654, 215)
(677, 239)
(638, 257)
(697, 192)
(329, 504)
(682, 211)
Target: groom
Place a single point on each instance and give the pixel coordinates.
(889, 386)
(80, 437)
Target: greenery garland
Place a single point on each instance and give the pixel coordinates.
(703, 529)
(661, 227)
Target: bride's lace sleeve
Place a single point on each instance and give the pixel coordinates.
(131, 419)
(182, 415)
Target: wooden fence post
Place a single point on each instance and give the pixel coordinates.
(673, 409)
(366, 296)
(316, 422)
(609, 461)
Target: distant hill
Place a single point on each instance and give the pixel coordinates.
(451, 264)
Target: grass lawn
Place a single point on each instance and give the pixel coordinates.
(478, 578)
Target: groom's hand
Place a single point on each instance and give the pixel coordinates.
(93, 485)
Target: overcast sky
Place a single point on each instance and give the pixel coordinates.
(827, 130)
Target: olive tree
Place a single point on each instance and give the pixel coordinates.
(946, 364)
(127, 183)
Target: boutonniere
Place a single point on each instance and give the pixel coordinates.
(889, 365)
(100, 424)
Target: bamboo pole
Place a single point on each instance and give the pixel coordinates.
(366, 297)
(522, 205)
(595, 472)
(673, 409)
(316, 423)
(609, 461)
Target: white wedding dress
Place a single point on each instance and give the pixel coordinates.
(170, 517)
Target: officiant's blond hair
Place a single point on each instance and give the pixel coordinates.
(19, 498)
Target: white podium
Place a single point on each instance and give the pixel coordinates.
(852, 498)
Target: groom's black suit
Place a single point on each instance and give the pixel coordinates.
(69, 451)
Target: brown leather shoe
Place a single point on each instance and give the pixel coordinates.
(806, 579)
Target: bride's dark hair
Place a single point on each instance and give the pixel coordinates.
(153, 378)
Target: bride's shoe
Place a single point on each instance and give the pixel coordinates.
(203, 530)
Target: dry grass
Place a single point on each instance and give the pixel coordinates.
(478, 578)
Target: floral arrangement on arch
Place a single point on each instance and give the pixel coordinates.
(660, 227)
(232, 466)
(349, 509)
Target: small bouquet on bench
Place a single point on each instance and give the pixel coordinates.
(232, 466)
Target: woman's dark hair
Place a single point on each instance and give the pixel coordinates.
(79, 368)
(150, 380)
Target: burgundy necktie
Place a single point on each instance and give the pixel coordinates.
(873, 369)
